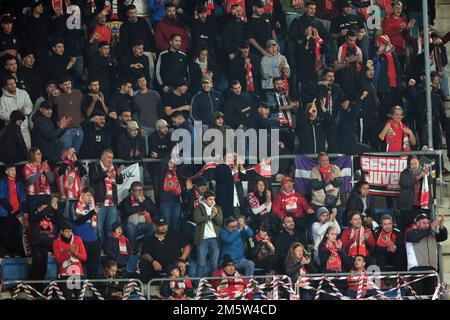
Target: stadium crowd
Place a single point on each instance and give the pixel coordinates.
(106, 80)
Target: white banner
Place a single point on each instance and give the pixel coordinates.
(130, 175)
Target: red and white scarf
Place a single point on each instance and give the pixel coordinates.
(83, 209)
(249, 77)
(146, 215)
(41, 186)
(342, 55)
(318, 41)
(284, 117)
(123, 242)
(396, 139)
(110, 181)
(384, 239)
(171, 183)
(425, 194)
(359, 244)
(69, 183)
(334, 262)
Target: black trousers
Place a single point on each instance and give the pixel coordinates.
(397, 259)
(93, 258)
(147, 272)
(14, 241)
(426, 286)
(39, 259)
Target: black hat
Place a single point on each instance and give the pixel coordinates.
(177, 113)
(244, 44)
(103, 43)
(161, 222)
(35, 3)
(421, 216)
(200, 181)
(227, 261)
(16, 115)
(345, 4)
(181, 81)
(45, 104)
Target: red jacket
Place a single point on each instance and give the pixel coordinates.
(227, 286)
(69, 263)
(391, 27)
(369, 242)
(298, 204)
(165, 29)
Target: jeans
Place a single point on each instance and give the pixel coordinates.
(171, 211)
(444, 83)
(208, 247)
(247, 265)
(134, 231)
(73, 137)
(106, 217)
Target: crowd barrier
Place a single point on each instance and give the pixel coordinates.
(280, 287)
(53, 289)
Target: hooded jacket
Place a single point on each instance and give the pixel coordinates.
(13, 148)
(204, 104)
(126, 144)
(10, 102)
(45, 137)
(311, 133)
(270, 68)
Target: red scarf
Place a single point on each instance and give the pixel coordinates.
(318, 43)
(196, 199)
(385, 239)
(344, 55)
(71, 179)
(258, 238)
(392, 72)
(13, 196)
(147, 217)
(171, 183)
(123, 241)
(46, 227)
(110, 180)
(83, 209)
(396, 139)
(249, 77)
(325, 172)
(359, 244)
(234, 172)
(334, 262)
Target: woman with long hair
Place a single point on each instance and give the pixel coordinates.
(397, 135)
(38, 176)
(170, 203)
(259, 199)
(298, 263)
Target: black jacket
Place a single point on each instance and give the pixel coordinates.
(324, 255)
(130, 32)
(120, 101)
(311, 134)
(104, 70)
(55, 66)
(126, 144)
(383, 76)
(112, 249)
(204, 104)
(126, 209)
(33, 81)
(196, 75)
(337, 95)
(225, 189)
(236, 71)
(94, 142)
(125, 71)
(238, 109)
(406, 198)
(161, 145)
(170, 67)
(354, 203)
(13, 148)
(42, 235)
(232, 36)
(97, 182)
(45, 137)
(398, 241)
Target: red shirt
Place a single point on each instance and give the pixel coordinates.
(391, 27)
(13, 196)
(69, 263)
(293, 202)
(354, 246)
(394, 138)
(104, 32)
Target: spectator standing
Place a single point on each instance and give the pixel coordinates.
(206, 102)
(135, 63)
(310, 130)
(259, 29)
(209, 219)
(94, 100)
(96, 136)
(320, 228)
(104, 177)
(397, 135)
(68, 104)
(238, 107)
(233, 32)
(168, 26)
(331, 254)
(13, 148)
(360, 200)
(103, 67)
(264, 253)
(246, 68)
(170, 191)
(389, 246)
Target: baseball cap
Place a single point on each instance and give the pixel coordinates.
(421, 216)
(270, 43)
(218, 114)
(161, 123)
(321, 211)
(132, 125)
(346, 3)
(244, 44)
(177, 113)
(161, 222)
(45, 104)
(206, 79)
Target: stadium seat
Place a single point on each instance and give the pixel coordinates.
(15, 269)
(52, 269)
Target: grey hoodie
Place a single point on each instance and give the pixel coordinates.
(270, 68)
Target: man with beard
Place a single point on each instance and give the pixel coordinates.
(259, 29)
(11, 70)
(30, 76)
(133, 64)
(102, 67)
(94, 100)
(238, 107)
(233, 32)
(96, 137)
(102, 32)
(246, 68)
(389, 245)
(332, 96)
(169, 25)
(122, 99)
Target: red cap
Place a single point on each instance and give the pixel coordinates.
(286, 180)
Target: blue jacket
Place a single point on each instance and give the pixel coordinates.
(233, 243)
(157, 9)
(4, 197)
